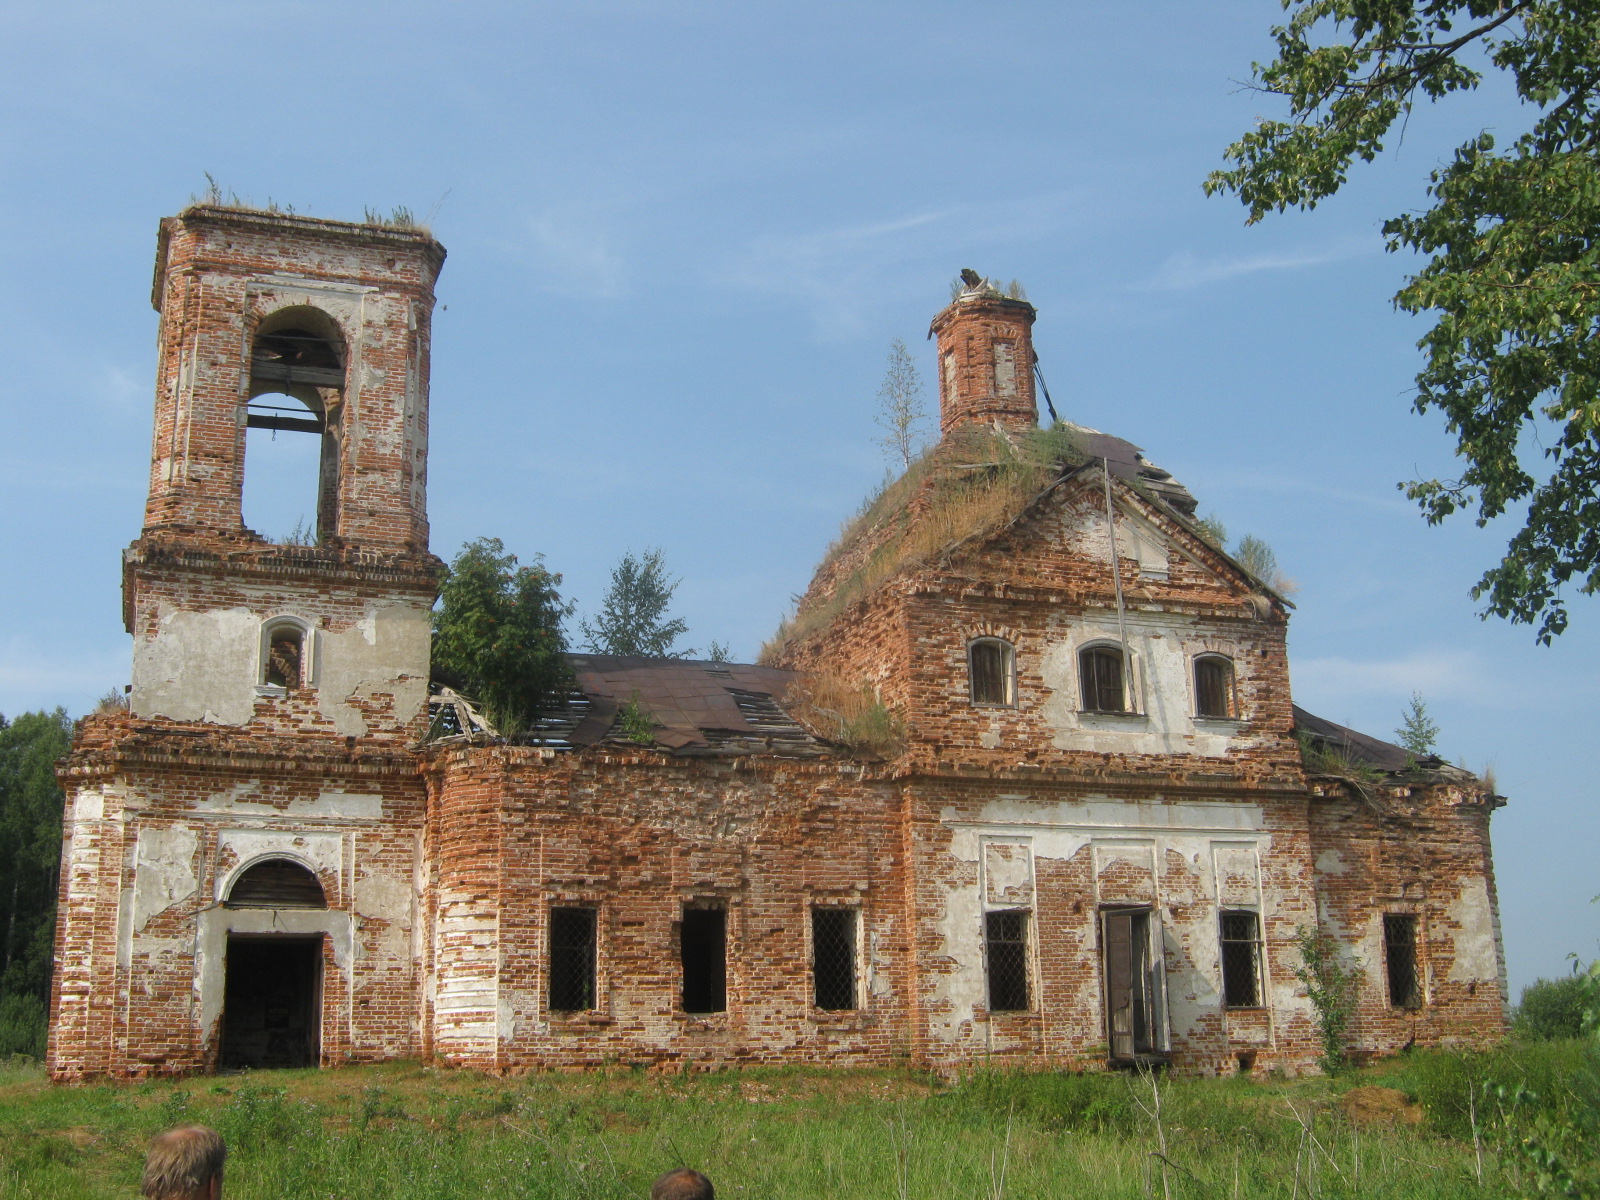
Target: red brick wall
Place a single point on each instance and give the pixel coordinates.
(985, 348)
(513, 832)
(1422, 850)
(219, 272)
(202, 796)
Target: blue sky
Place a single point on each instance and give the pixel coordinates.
(682, 238)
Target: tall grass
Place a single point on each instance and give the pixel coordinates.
(406, 1132)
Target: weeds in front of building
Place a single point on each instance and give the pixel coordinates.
(403, 1132)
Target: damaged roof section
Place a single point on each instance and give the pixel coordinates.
(1363, 750)
(687, 707)
(1127, 462)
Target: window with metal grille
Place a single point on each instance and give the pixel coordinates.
(1005, 945)
(1241, 960)
(572, 959)
(833, 957)
(1400, 957)
(991, 671)
(703, 951)
(1100, 672)
(1213, 686)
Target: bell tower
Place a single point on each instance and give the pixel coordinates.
(307, 328)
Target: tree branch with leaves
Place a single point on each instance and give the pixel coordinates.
(1513, 275)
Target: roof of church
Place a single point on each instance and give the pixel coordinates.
(686, 706)
(1362, 749)
(1127, 461)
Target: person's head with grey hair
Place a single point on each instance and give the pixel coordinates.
(184, 1164)
(682, 1184)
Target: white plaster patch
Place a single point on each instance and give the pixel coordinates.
(330, 805)
(200, 666)
(88, 805)
(1008, 874)
(1476, 957)
(1238, 876)
(164, 872)
(388, 897)
(385, 652)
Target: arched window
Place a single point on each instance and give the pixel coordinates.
(1213, 687)
(1102, 678)
(277, 883)
(992, 672)
(286, 646)
(291, 487)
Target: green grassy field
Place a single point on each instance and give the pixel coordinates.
(404, 1131)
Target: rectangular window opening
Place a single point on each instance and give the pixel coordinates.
(1400, 957)
(572, 959)
(833, 957)
(1241, 960)
(704, 948)
(1005, 945)
(1102, 679)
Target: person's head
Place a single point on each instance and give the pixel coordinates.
(682, 1184)
(184, 1164)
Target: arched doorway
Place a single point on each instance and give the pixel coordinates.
(272, 997)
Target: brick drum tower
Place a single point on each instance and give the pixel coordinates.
(244, 837)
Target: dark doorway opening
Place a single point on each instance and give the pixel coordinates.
(705, 963)
(272, 1002)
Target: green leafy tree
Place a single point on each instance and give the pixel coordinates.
(1213, 528)
(497, 634)
(633, 616)
(901, 414)
(30, 863)
(1513, 271)
(1419, 733)
(1551, 1008)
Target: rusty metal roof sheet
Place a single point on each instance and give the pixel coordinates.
(693, 707)
(1127, 461)
(1362, 748)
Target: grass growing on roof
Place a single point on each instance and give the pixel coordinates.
(969, 485)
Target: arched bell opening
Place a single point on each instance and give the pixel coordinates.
(297, 382)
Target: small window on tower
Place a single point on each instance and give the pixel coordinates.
(285, 654)
(991, 671)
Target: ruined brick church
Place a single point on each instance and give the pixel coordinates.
(1092, 838)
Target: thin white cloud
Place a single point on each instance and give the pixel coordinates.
(577, 255)
(1323, 684)
(837, 273)
(1185, 270)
